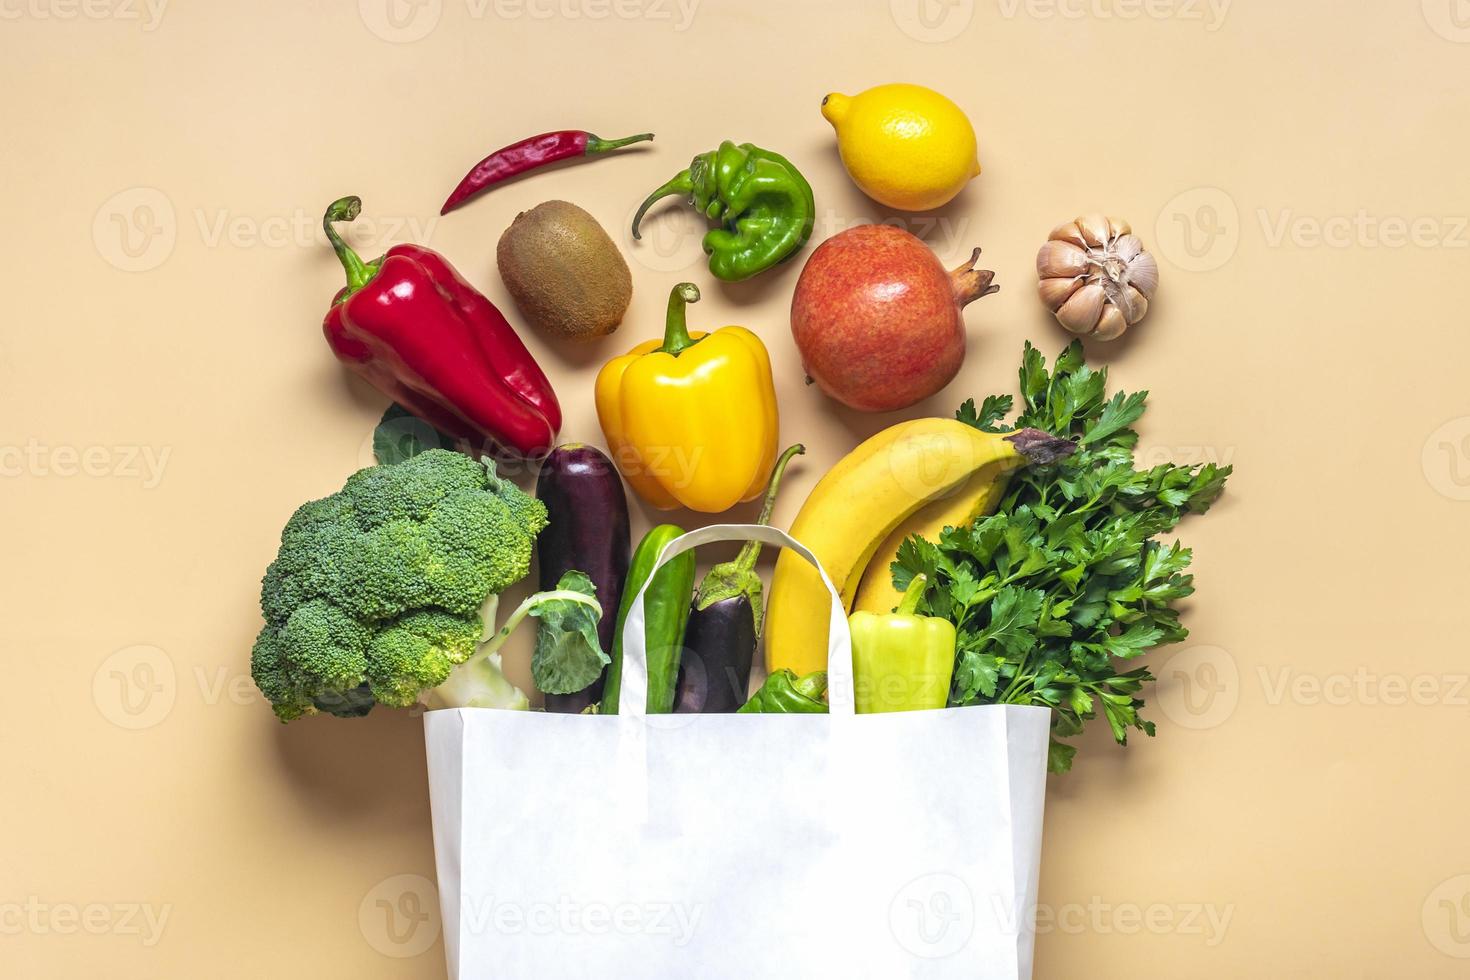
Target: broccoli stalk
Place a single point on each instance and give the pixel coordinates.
(480, 681)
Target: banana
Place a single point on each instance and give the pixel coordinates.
(863, 500)
(978, 497)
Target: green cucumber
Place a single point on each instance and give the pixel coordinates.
(665, 615)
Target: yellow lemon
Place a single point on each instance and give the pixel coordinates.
(906, 146)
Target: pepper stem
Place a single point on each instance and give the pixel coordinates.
(909, 604)
(347, 209)
(676, 327)
(813, 685)
(751, 550)
(596, 144)
(681, 184)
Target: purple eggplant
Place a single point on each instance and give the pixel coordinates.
(725, 624)
(719, 645)
(588, 531)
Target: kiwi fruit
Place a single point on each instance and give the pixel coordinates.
(564, 272)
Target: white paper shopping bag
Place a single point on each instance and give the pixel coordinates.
(749, 846)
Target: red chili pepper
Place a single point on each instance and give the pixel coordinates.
(411, 326)
(530, 154)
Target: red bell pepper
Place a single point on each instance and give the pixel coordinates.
(418, 332)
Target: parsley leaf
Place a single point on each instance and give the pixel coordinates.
(1116, 416)
(1014, 614)
(991, 411)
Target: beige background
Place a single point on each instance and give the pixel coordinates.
(168, 400)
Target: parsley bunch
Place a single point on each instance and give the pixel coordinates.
(1065, 580)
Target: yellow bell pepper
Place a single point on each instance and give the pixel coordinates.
(691, 419)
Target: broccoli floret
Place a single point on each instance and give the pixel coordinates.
(377, 591)
(417, 652)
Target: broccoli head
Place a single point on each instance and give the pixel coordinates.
(376, 593)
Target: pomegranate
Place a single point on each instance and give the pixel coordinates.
(878, 320)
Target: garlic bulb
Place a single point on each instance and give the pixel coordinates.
(1096, 277)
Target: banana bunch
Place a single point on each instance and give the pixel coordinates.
(917, 477)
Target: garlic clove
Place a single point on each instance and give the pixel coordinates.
(1094, 229)
(1080, 313)
(1060, 259)
(1055, 292)
(1127, 247)
(1134, 304)
(1111, 324)
(1143, 273)
(1068, 232)
(1119, 227)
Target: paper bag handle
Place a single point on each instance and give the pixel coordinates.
(633, 697)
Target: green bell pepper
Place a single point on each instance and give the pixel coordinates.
(665, 615)
(763, 203)
(900, 661)
(784, 693)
